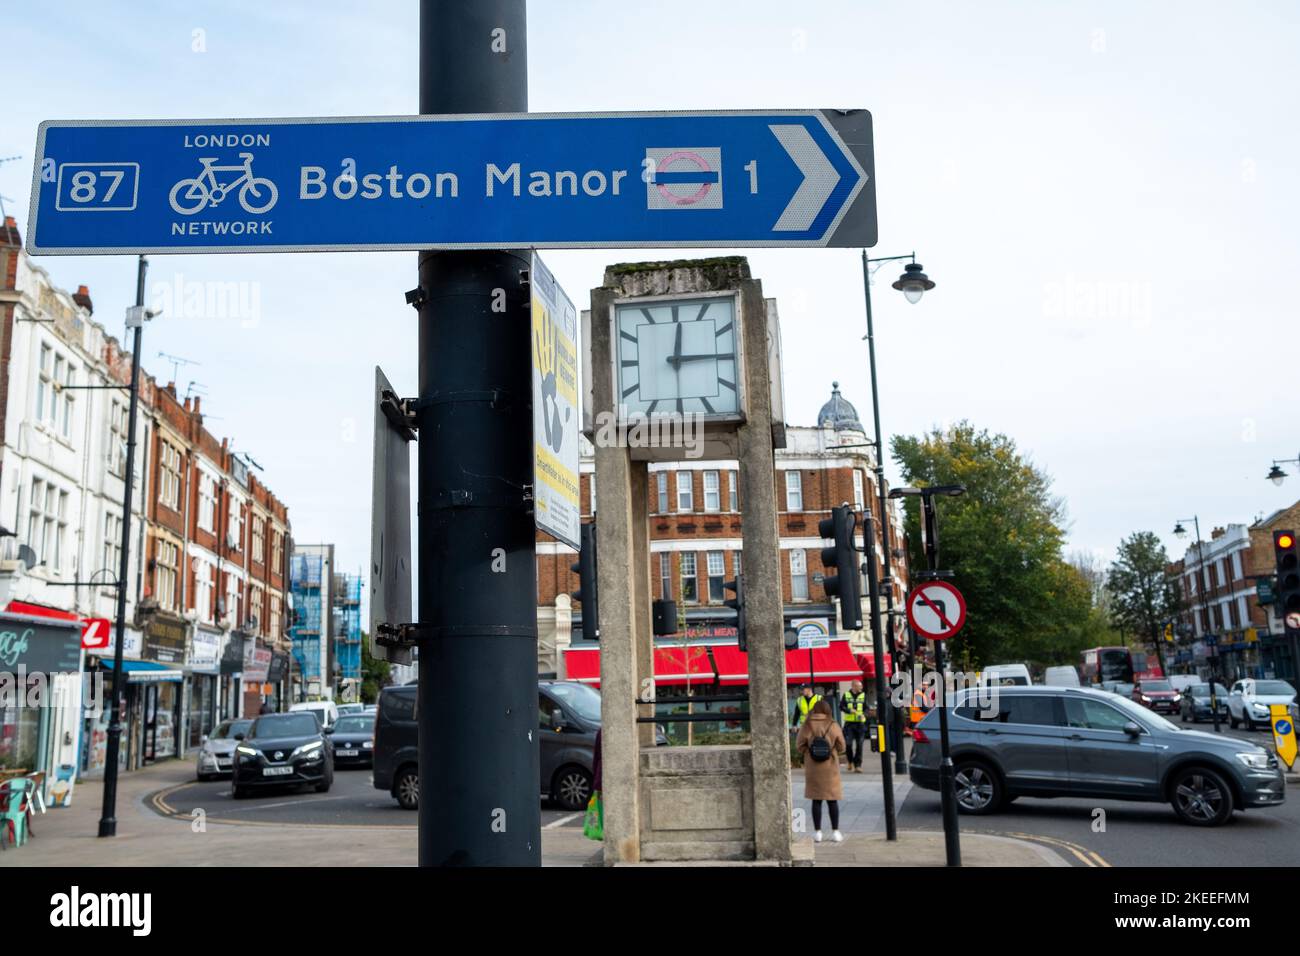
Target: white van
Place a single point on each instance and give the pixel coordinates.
(1006, 675)
(325, 710)
(1180, 682)
(1064, 676)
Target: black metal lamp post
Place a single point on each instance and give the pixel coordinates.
(1180, 532)
(913, 283)
(1276, 474)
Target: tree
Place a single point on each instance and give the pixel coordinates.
(1003, 539)
(375, 674)
(1143, 592)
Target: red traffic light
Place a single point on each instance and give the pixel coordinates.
(1284, 540)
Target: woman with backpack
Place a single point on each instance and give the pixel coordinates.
(821, 741)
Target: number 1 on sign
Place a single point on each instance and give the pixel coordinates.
(751, 167)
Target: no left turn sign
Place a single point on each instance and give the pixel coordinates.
(936, 610)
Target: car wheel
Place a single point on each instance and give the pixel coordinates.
(324, 785)
(1201, 797)
(238, 792)
(1232, 720)
(571, 788)
(406, 788)
(978, 788)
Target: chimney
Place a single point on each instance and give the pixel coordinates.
(11, 236)
(1217, 533)
(197, 400)
(187, 403)
(82, 298)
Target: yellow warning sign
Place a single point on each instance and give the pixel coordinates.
(1283, 733)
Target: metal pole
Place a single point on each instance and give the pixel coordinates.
(1205, 599)
(477, 704)
(882, 695)
(893, 725)
(947, 775)
(108, 814)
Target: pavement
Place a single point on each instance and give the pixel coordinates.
(166, 818)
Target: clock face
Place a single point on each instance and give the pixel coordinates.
(678, 356)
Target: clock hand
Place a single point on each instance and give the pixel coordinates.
(696, 358)
(675, 359)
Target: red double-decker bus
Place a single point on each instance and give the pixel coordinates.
(1107, 664)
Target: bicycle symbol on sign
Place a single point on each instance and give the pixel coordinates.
(257, 194)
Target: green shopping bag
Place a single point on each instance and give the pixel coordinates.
(593, 825)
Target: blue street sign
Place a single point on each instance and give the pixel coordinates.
(779, 178)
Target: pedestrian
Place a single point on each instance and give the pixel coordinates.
(593, 822)
(853, 711)
(821, 741)
(804, 705)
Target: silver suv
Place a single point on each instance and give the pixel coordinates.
(1074, 742)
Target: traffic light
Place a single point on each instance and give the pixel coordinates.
(1169, 631)
(1287, 599)
(586, 593)
(738, 603)
(846, 582)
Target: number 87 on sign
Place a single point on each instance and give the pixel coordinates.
(97, 187)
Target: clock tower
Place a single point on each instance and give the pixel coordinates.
(683, 362)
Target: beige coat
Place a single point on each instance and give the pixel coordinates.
(821, 779)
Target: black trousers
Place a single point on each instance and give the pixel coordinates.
(855, 735)
(834, 806)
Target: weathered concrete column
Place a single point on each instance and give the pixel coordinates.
(616, 564)
(765, 621)
(563, 633)
(643, 619)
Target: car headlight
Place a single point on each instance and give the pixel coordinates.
(311, 751)
(368, 745)
(1262, 708)
(1255, 761)
(247, 751)
(1146, 699)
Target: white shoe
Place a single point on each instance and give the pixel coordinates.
(817, 837)
(837, 836)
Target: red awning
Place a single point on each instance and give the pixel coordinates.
(40, 610)
(833, 663)
(583, 665)
(868, 664)
(733, 664)
(674, 664)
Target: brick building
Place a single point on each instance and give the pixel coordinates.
(1231, 632)
(205, 590)
(695, 544)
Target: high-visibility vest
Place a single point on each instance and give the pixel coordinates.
(855, 707)
(806, 704)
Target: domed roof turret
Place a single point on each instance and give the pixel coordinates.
(839, 413)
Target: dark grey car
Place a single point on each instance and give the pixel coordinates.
(568, 718)
(1076, 742)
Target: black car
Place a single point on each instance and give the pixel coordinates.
(568, 718)
(283, 749)
(353, 740)
(1195, 703)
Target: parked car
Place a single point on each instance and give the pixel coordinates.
(568, 718)
(1067, 742)
(325, 710)
(1250, 699)
(1195, 703)
(354, 708)
(353, 740)
(1118, 687)
(218, 747)
(1064, 676)
(283, 749)
(1180, 682)
(1159, 695)
(1005, 675)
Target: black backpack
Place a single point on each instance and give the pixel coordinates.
(819, 749)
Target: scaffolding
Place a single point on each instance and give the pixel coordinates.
(305, 572)
(347, 625)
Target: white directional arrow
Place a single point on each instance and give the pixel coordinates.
(819, 178)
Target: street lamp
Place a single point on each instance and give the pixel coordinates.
(1180, 532)
(913, 283)
(1276, 474)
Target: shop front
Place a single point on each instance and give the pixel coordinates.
(98, 678)
(230, 699)
(276, 679)
(202, 673)
(40, 695)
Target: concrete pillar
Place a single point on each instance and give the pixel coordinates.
(620, 749)
(563, 633)
(765, 619)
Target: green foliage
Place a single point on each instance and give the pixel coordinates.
(1144, 595)
(375, 674)
(1003, 539)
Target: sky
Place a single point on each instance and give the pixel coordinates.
(1103, 192)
